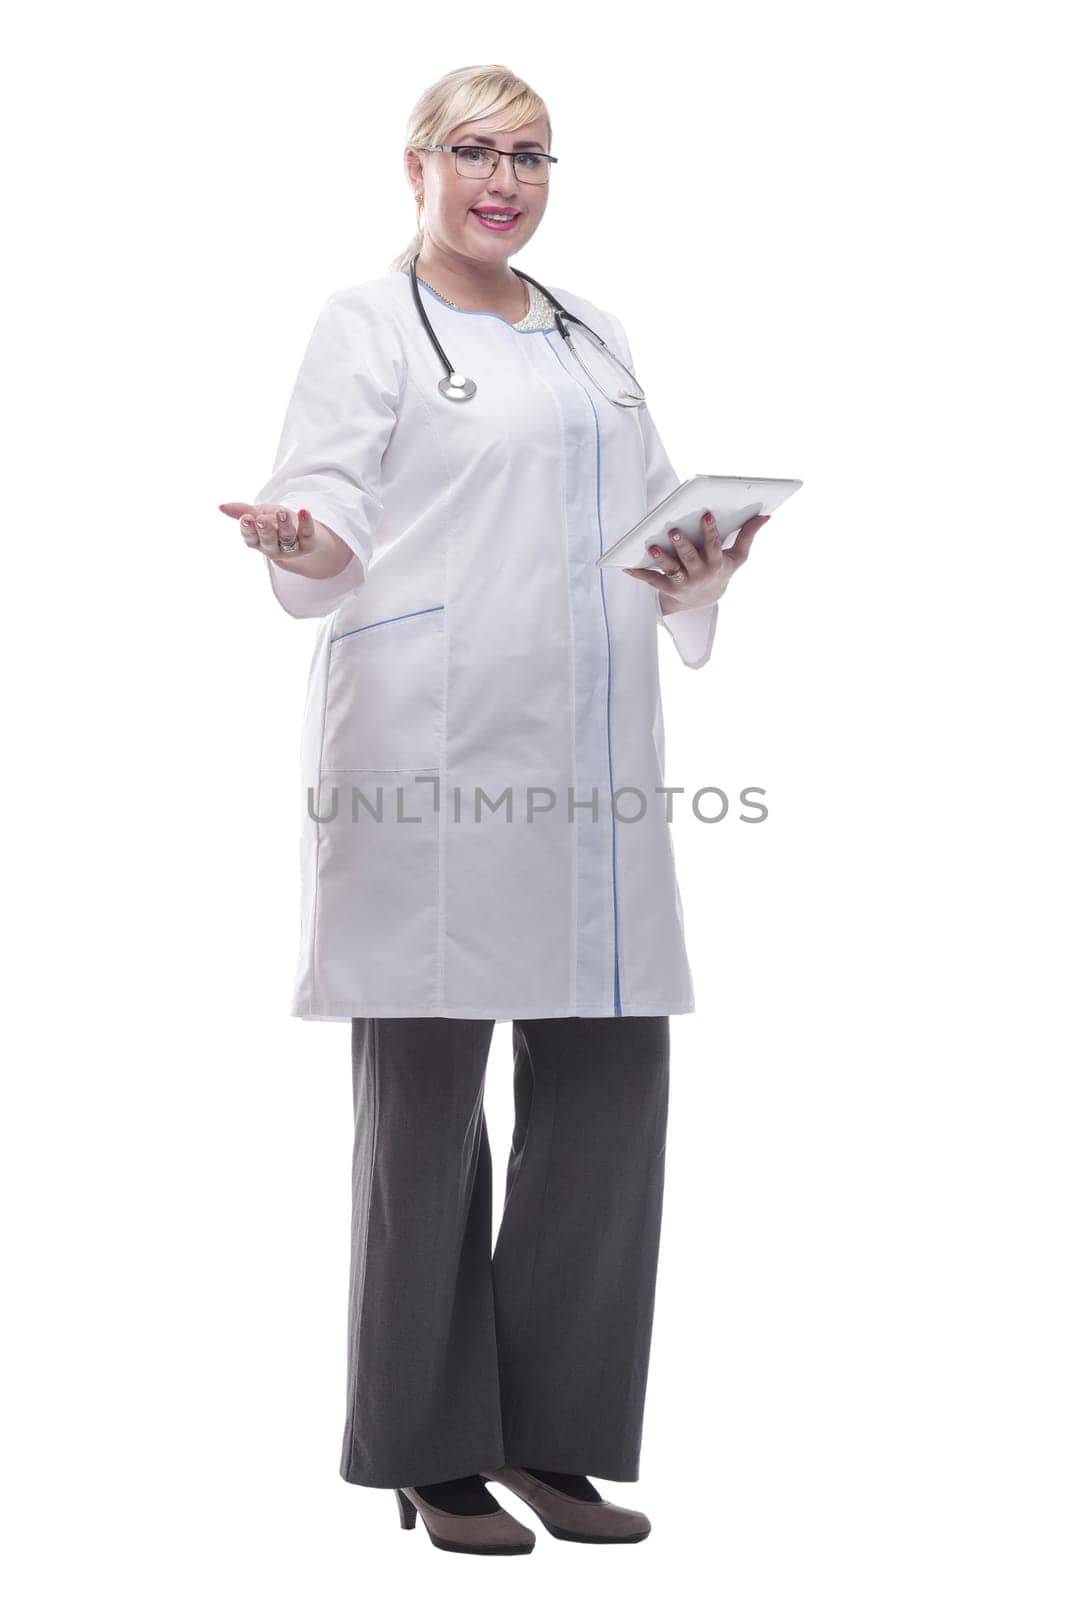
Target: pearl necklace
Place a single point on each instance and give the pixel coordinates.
(454, 306)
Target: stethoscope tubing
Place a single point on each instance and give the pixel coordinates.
(454, 386)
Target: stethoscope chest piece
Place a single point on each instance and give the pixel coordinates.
(457, 387)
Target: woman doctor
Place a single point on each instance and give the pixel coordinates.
(486, 836)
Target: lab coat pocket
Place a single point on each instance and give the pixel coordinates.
(385, 695)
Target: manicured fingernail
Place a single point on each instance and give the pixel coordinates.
(708, 517)
(655, 550)
(676, 535)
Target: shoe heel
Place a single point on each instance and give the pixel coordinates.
(408, 1514)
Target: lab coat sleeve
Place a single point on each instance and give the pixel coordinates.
(336, 429)
(693, 631)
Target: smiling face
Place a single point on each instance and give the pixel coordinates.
(450, 200)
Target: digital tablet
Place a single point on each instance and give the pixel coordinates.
(732, 501)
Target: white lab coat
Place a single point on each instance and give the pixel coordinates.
(472, 644)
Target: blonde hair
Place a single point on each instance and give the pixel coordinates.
(466, 95)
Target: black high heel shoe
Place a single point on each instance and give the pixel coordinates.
(568, 1517)
(486, 1533)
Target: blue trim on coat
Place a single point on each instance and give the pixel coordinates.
(607, 635)
(399, 618)
(460, 311)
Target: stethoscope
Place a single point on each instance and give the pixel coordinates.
(454, 386)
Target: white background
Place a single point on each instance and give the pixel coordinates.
(829, 231)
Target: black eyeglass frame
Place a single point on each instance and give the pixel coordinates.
(487, 149)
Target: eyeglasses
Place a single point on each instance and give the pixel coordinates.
(480, 161)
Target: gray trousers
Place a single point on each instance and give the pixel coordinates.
(463, 1357)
